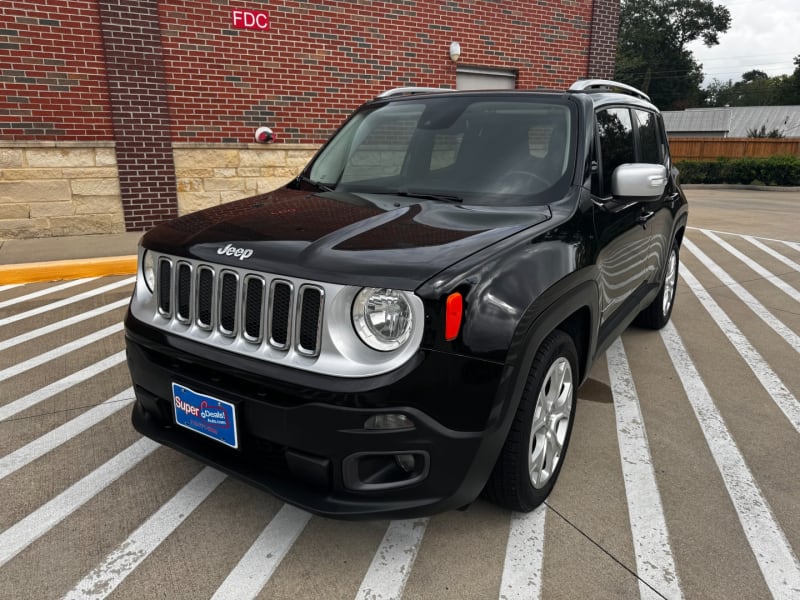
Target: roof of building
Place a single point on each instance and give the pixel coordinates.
(734, 121)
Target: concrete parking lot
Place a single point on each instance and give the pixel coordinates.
(682, 478)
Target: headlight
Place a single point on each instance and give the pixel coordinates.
(382, 318)
(149, 270)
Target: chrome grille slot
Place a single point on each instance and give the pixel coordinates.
(205, 297)
(252, 319)
(183, 301)
(309, 323)
(165, 287)
(280, 304)
(228, 303)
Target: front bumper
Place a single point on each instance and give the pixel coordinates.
(303, 439)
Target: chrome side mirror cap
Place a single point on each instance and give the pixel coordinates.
(639, 180)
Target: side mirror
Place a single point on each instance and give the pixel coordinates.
(641, 181)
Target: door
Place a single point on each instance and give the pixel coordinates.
(622, 233)
(652, 149)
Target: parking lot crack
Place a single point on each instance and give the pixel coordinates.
(600, 547)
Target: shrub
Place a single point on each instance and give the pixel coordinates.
(772, 170)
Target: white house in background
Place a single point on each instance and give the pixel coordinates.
(732, 121)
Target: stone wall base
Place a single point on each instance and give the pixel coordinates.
(211, 174)
(50, 189)
(58, 188)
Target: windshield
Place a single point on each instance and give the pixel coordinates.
(469, 148)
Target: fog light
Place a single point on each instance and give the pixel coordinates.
(407, 462)
(390, 421)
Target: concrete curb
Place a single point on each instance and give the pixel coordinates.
(67, 269)
(739, 186)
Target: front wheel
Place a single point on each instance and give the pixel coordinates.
(658, 312)
(533, 453)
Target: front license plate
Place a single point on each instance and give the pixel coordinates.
(205, 415)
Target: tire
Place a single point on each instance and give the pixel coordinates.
(658, 312)
(534, 452)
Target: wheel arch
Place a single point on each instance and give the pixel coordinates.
(574, 310)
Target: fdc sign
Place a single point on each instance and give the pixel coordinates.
(250, 19)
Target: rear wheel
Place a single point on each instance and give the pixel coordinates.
(658, 312)
(534, 451)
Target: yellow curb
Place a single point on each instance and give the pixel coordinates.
(67, 269)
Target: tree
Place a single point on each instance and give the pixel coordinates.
(651, 49)
(756, 88)
(790, 92)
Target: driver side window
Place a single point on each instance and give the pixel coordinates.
(616, 146)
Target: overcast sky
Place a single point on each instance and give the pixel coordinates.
(763, 35)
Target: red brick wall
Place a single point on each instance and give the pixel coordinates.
(322, 59)
(146, 73)
(52, 73)
(138, 94)
(603, 50)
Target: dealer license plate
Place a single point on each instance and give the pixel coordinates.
(206, 415)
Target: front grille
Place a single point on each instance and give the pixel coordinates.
(241, 305)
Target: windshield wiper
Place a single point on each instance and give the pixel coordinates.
(316, 184)
(430, 196)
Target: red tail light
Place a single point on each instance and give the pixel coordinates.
(453, 314)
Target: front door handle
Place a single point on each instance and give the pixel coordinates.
(644, 217)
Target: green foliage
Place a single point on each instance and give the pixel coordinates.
(763, 133)
(772, 170)
(757, 89)
(651, 50)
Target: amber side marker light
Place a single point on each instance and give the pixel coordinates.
(454, 310)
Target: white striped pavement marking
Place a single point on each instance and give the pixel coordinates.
(45, 291)
(66, 301)
(749, 300)
(42, 445)
(29, 529)
(522, 569)
(765, 273)
(54, 388)
(387, 574)
(771, 549)
(30, 335)
(258, 564)
(759, 237)
(105, 578)
(36, 361)
(772, 252)
(655, 564)
(766, 376)
(8, 286)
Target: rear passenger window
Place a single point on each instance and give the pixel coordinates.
(615, 134)
(649, 146)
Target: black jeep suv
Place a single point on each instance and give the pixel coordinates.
(406, 324)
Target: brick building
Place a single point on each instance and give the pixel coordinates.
(117, 114)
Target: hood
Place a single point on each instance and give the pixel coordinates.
(346, 238)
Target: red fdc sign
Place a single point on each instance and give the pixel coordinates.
(250, 19)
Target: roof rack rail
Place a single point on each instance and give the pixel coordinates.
(606, 85)
(407, 91)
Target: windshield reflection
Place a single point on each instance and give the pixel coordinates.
(476, 149)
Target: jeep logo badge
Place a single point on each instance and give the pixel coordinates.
(240, 253)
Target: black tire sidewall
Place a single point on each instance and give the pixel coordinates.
(558, 344)
(653, 317)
